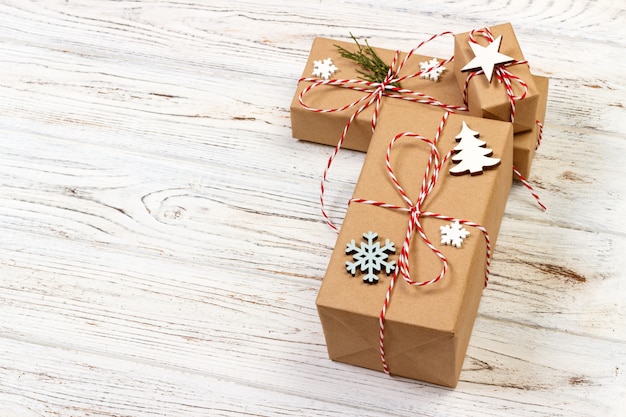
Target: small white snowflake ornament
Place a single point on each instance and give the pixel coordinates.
(434, 73)
(370, 258)
(486, 58)
(453, 234)
(324, 68)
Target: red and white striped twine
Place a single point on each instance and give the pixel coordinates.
(374, 92)
(530, 188)
(431, 175)
(524, 180)
(539, 133)
(503, 75)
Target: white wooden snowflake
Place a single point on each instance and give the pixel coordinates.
(324, 68)
(433, 74)
(453, 234)
(370, 257)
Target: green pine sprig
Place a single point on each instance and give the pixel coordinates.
(374, 69)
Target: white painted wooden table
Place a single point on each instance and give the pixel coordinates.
(160, 240)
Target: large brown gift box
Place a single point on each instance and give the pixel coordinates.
(428, 328)
(326, 128)
(525, 143)
(489, 99)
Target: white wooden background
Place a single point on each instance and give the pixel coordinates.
(160, 241)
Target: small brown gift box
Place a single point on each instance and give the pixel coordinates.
(489, 99)
(427, 328)
(525, 143)
(326, 128)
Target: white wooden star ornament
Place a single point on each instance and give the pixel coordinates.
(486, 58)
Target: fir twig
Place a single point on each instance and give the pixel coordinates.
(374, 69)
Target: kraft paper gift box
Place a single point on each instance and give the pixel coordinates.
(525, 143)
(326, 128)
(489, 99)
(428, 328)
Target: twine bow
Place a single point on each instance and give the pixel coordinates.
(374, 92)
(431, 175)
(503, 75)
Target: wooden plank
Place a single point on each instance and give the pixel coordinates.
(160, 239)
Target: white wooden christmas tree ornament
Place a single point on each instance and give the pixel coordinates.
(472, 155)
(486, 58)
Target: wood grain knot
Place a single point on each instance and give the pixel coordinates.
(171, 214)
(561, 272)
(572, 176)
(579, 380)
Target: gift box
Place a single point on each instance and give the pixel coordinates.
(490, 99)
(525, 143)
(327, 127)
(427, 328)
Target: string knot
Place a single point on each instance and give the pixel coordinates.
(503, 75)
(373, 94)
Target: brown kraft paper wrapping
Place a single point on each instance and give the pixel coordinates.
(427, 328)
(525, 143)
(490, 100)
(326, 128)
